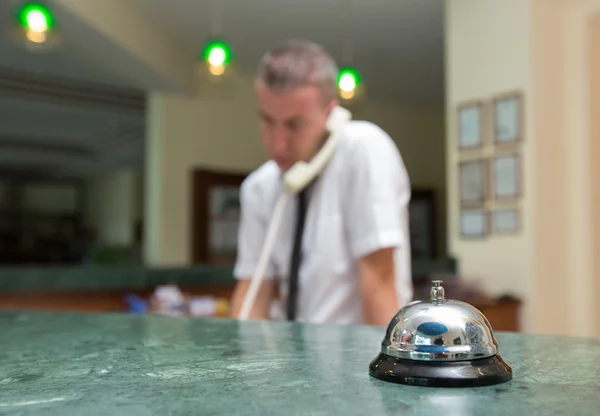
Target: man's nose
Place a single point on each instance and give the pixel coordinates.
(279, 141)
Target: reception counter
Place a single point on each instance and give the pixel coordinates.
(118, 364)
(104, 289)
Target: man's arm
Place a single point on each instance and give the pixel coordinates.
(377, 286)
(377, 192)
(262, 302)
(251, 236)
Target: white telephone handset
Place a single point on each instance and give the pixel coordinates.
(294, 180)
(302, 173)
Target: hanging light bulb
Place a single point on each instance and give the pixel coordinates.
(217, 55)
(37, 21)
(349, 82)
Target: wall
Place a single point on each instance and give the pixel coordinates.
(113, 203)
(47, 198)
(50, 198)
(420, 134)
(3, 195)
(564, 175)
(219, 130)
(549, 53)
(551, 170)
(484, 58)
(566, 178)
(594, 154)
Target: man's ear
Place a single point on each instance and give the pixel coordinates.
(332, 104)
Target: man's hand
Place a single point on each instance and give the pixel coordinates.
(377, 286)
(262, 303)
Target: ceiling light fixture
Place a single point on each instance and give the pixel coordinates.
(349, 82)
(217, 55)
(37, 21)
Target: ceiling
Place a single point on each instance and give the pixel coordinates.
(64, 114)
(49, 127)
(65, 134)
(398, 45)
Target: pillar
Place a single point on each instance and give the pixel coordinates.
(543, 49)
(215, 129)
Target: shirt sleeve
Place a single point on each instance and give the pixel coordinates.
(377, 195)
(251, 235)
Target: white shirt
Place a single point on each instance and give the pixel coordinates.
(358, 205)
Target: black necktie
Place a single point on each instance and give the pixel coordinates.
(292, 301)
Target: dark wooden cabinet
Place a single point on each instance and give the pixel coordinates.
(97, 301)
(503, 315)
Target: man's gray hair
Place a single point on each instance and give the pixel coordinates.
(299, 63)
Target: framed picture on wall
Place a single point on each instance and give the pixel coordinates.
(224, 219)
(215, 216)
(506, 181)
(473, 223)
(470, 125)
(473, 181)
(505, 220)
(508, 118)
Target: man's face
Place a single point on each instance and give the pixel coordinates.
(292, 123)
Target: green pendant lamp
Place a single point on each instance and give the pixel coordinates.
(217, 56)
(36, 22)
(349, 83)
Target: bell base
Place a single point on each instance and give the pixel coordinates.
(474, 373)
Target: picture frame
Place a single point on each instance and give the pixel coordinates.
(508, 118)
(216, 215)
(473, 181)
(474, 223)
(505, 220)
(506, 176)
(471, 125)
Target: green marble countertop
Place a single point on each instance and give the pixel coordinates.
(96, 364)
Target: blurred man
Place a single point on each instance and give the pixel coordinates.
(347, 259)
